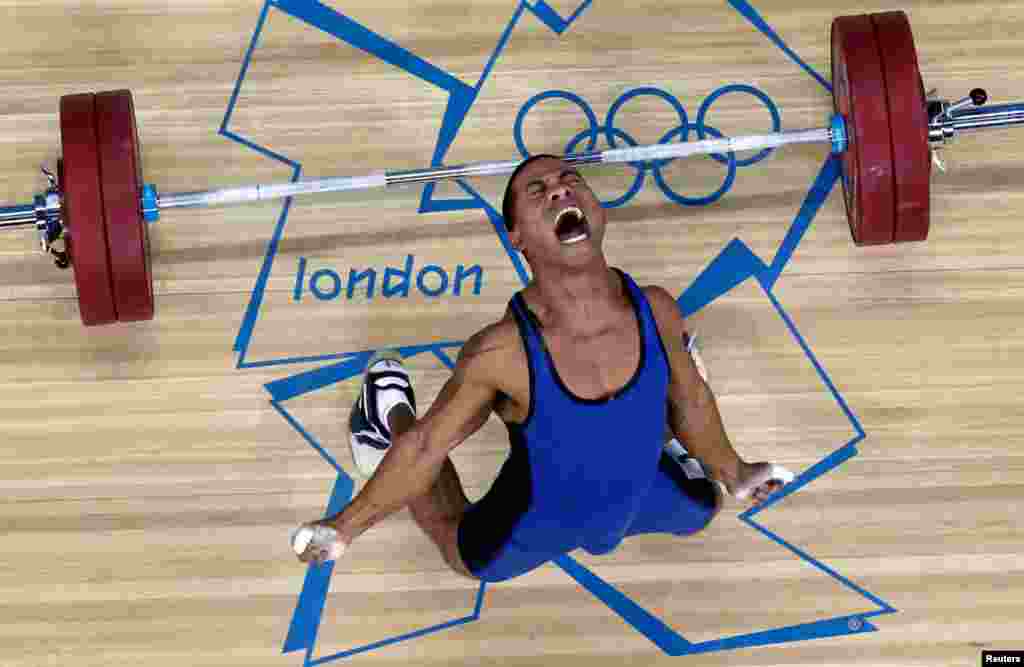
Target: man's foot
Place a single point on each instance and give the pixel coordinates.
(695, 480)
(386, 385)
(692, 467)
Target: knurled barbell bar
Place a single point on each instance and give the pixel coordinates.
(885, 130)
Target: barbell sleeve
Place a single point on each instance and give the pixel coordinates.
(993, 117)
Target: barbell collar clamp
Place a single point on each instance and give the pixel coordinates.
(947, 120)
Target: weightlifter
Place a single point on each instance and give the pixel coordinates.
(586, 368)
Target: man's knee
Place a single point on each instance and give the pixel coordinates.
(718, 501)
(455, 562)
(445, 534)
(453, 554)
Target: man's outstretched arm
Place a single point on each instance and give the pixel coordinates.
(414, 460)
(693, 412)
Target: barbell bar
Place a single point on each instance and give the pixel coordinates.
(941, 130)
(152, 201)
(885, 130)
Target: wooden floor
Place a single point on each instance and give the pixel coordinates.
(152, 472)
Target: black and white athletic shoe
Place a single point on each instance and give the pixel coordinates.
(692, 467)
(386, 385)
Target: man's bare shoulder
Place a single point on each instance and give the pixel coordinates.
(492, 346)
(666, 309)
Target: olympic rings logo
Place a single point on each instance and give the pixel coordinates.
(614, 134)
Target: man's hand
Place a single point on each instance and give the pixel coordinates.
(318, 542)
(757, 481)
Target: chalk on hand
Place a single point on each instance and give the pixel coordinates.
(319, 537)
(776, 473)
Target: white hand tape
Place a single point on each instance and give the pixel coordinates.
(781, 474)
(319, 537)
(776, 472)
(301, 538)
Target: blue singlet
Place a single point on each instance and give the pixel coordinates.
(582, 473)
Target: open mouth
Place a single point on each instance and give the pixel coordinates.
(571, 226)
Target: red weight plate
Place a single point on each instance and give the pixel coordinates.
(82, 205)
(908, 115)
(127, 233)
(860, 97)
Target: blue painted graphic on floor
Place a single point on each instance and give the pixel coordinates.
(617, 137)
(735, 264)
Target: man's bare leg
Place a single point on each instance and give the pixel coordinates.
(438, 511)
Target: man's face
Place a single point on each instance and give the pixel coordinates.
(557, 217)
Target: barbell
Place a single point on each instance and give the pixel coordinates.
(885, 130)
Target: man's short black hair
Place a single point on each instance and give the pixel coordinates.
(507, 202)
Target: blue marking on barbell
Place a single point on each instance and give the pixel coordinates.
(839, 138)
(150, 210)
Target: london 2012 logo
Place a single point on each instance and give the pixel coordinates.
(331, 286)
